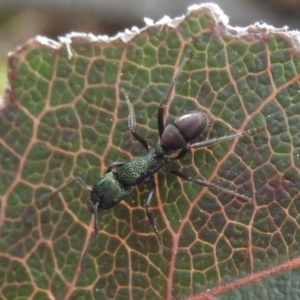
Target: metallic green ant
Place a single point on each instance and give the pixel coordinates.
(121, 177)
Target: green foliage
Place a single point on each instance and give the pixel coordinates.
(65, 116)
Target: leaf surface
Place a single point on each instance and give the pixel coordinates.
(65, 116)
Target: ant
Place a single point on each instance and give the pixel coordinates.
(121, 177)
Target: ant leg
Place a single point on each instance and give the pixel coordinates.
(78, 180)
(93, 239)
(181, 154)
(213, 141)
(132, 124)
(208, 184)
(160, 115)
(206, 143)
(114, 165)
(150, 216)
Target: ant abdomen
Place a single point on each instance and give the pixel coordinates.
(185, 129)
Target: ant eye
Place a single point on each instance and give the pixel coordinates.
(192, 125)
(95, 195)
(90, 205)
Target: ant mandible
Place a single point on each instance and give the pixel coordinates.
(121, 177)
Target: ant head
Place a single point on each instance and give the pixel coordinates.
(185, 129)
(106, 193)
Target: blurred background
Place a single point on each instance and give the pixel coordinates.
(21, 20)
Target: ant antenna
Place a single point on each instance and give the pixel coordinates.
(132, 123)
(77, 179)
(93, 239)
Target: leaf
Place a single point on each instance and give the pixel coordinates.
(64, 116)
